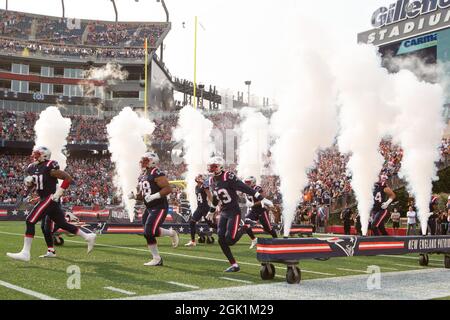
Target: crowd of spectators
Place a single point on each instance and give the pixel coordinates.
(54, 30)
(87, 130)
(18, 126)
(328, 179)
(11, 178)
(80, 52)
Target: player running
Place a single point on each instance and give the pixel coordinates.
(153, 190)
(257, 212)
(43, 176)
(203, 195)
(225, 185)
(383, 196)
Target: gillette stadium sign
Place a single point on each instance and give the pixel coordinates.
(407, 18)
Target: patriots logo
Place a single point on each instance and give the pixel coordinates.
(347, 244)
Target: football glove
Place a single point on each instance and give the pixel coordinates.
(248, 203)
(29, 181)
(131, 196)
(152, 197)
(386, 204)
(210, 216)
(265, 202)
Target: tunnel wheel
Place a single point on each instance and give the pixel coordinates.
(424, 260)
(447, 261)
(201, 239)
(210, 240)
(293, 275)
(267, 271)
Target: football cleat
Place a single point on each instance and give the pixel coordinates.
(21, 256)
(91, 242)
(154, 263)
(175, 239)
(234, 268)
(254, 243)
(191, 244)
(49, 254)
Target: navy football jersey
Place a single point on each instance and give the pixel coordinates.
(379, 196)
(44, 182)
(148, 186)
(225, 187)
(256, 209)
(202, 197)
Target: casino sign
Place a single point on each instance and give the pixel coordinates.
(406, 19)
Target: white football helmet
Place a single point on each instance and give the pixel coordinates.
(41, 154)
(215, 165)
(149, 160)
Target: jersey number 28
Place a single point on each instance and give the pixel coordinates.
(145, 188)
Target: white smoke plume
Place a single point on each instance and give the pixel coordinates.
(52, 130)
(304, 123)
(419, 128)
(194, 132)
(110, 71)
(126, 143)
(365, 93)
(253, 144)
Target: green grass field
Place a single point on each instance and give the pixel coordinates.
(117, 261)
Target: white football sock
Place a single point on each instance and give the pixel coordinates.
(154, 250)
(83, 234)
(27, 244)
(166, 232)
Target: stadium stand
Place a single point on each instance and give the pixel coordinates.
(54, 30)
(328, 181)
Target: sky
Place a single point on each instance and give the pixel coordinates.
(238, 40)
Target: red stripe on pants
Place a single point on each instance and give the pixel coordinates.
(157, 222)
(382, 218)
(236, 224)
(267, 221)
(36, 214)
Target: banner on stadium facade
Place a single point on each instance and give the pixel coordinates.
(406, 19)
(419, 43)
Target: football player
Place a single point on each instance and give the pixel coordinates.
(257, 212)
(43, 176)
(153, 190)
(434, 214)
(383, 196)
(204, 196)
(225, 185)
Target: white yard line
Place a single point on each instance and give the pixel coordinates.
(170, 253)
(407, 257)
(26, 291)
(409, 266)
(352, 270)
(316, 272)
(183, 285)
(386, 268)
(236, 280)
(128, 293)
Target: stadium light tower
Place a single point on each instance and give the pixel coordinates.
(115, 10)
(63, 9)
(163, 3)
(6, 6)
(248, 84)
